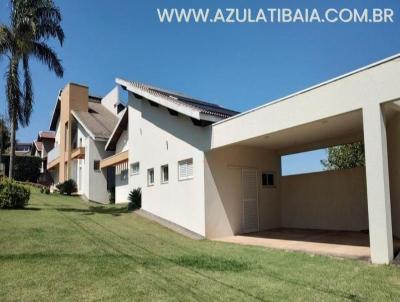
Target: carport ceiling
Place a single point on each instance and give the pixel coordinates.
(328, 132)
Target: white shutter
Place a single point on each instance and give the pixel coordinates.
(185, 169)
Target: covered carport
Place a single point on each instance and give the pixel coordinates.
(244, 189)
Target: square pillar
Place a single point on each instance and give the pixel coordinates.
(378, 191)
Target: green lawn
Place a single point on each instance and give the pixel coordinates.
(62, 248)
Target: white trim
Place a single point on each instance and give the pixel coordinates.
(162, 180)
(116, 127)
(150, 184)
(391, 58)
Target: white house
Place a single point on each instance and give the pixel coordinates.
(218, 173)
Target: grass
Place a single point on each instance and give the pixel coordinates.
(61, 248)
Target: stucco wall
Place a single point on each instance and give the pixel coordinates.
(97, 180)
(157, 138)
(393, 139)
(332, 200)
(223, 189)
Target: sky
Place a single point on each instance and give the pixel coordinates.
(239, 66)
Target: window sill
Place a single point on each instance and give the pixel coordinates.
(186, 178)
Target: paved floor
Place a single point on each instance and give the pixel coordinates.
(333, 243)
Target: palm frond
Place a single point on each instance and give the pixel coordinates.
(47, 55)
(6, 39)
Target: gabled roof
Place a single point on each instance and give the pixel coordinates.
(97, 121)
(121, 125)
(56, 111)
(38, 146)
(46, 135)
(196, 109)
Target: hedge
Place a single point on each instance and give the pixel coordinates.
(26, 168)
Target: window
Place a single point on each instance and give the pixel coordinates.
(135, 168)
(96, 165)
(268, 179)
(150, 177)
(124, 175)
(164, 174)
(185, 169)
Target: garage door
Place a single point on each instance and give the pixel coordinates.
(250, 200)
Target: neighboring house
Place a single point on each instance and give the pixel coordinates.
(42, 146)
(23, 149)
(82, 125)
(218, 173)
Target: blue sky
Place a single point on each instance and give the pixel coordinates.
(239, 66)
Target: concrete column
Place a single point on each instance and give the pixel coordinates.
(378, 191)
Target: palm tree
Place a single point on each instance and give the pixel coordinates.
(32, 23)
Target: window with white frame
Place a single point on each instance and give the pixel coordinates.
(185, 169)
(164, 174)
(135, 168)
(150, 177)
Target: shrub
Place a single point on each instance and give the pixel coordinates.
(135, 198)
(13, 195)
(47, 191)
(67, 187)
(42, 190)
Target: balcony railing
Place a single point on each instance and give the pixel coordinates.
(53, 153)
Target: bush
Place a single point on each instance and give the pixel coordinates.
(13, 195)
(47, 191)
(67, 187)
(135, 198)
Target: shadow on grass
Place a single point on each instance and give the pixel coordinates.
(115, 211)
(22, 209)
(209, 263)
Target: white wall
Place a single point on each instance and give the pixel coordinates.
(157, 138)
(97, 180)
(330, 200)
(223, 189)
(110, 101)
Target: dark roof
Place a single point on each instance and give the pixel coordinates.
(206, 107)
(98, 120)
(180, 99)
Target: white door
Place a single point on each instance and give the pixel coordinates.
(250, 200)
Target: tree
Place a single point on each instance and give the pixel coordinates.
(4, 136)
(32, 23)
(345, 157)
